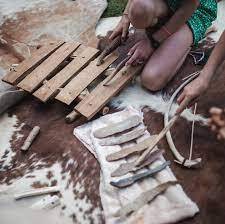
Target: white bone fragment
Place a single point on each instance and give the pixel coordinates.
(36, 192)
(34, 132)
(114, 128)
(47, 202)
(122, 138)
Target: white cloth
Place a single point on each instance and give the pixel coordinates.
(170, 207)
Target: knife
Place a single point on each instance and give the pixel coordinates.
(131, 166)
(130, 180)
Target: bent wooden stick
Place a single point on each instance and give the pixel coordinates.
(194, 163)
(126, 137)
(143, 199)
(130, 150)
(125, 168)
(114, 128)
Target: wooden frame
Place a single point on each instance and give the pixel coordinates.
(64, 71)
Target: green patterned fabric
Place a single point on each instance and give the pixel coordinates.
(201, 19)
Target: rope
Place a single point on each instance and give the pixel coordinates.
(192, 133)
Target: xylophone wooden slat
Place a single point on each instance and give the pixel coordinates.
(101, 95)
(82, 56)
(71, 91)
(25, 67)
(42, 72)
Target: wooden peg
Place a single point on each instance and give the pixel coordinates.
(32, 135)
(72, 116)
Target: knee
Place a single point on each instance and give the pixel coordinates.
(141, 13)
(152, 80)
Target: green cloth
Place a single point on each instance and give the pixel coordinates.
(201, 19)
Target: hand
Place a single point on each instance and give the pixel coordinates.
(121, 28)
(192, 92)
(140, 52)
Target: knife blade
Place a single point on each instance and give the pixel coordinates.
(125, 182)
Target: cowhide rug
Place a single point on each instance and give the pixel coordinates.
(57, 158)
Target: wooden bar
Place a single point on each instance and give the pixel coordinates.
(102, 94)
(82, 56)
(72, 90)
(25, 67)
(42, 72)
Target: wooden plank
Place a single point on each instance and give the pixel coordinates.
(25, 67)
(72, 90)
(82, 56)
(102, 94)
(46, 68)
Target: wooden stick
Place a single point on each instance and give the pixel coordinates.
(105, 110)
(155, 141)
(117, 69)
(109, 49)
(72, 116)
(32, 135)
(36, 192)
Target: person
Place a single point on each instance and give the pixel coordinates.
(198, 86)
(164, 50)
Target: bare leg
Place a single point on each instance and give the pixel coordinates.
(144, 13)
(167, 59)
